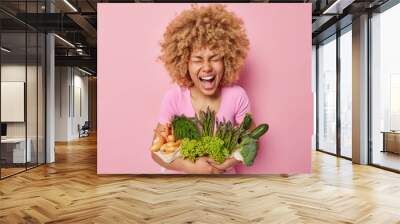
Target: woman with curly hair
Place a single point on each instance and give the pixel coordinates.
(203, 50)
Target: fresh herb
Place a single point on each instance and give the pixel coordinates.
(184, 127)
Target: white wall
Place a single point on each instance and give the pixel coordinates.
(62, 81)
(34, 125)
(79, 117)
(9, 73)
(15, 72)
(71, 93)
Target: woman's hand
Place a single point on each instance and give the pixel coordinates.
(231, 162)
(202, 166)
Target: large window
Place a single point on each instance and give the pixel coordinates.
(346, 93)
(327, 95)
(334, 60)
(385, 88)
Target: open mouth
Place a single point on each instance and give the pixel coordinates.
(207, 81)
(208, 78)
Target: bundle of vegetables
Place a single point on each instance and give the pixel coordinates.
(198, 137)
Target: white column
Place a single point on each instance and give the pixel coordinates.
(360, 90)
(50, 100)
(50, 93)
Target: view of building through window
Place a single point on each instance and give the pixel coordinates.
(346, 93)
(327, 96)
(385, 88)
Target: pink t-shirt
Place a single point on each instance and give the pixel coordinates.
(177, 101)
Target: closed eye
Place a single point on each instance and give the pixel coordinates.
(216, 58)
(196, 59)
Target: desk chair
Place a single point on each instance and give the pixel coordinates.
(84, 130)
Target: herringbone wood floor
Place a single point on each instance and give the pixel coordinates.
(69, 191)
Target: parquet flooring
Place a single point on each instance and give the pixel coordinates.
(70, 191)
(10, 171)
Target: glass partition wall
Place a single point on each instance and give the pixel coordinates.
(334, 93)
(22, 88)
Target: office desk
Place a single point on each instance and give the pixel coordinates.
(391, 142)
(13, 150)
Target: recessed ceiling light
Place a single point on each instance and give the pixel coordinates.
(337, 7)
(5, 50)
(64, 40)
(70, 5)
(84, 71)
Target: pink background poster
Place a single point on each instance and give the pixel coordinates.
(131, 83)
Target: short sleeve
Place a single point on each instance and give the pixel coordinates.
(167, 107)
(242, 106)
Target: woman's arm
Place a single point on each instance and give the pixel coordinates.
(201, 166)
(178, 164)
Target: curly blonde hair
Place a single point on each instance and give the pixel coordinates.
(209, 26)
